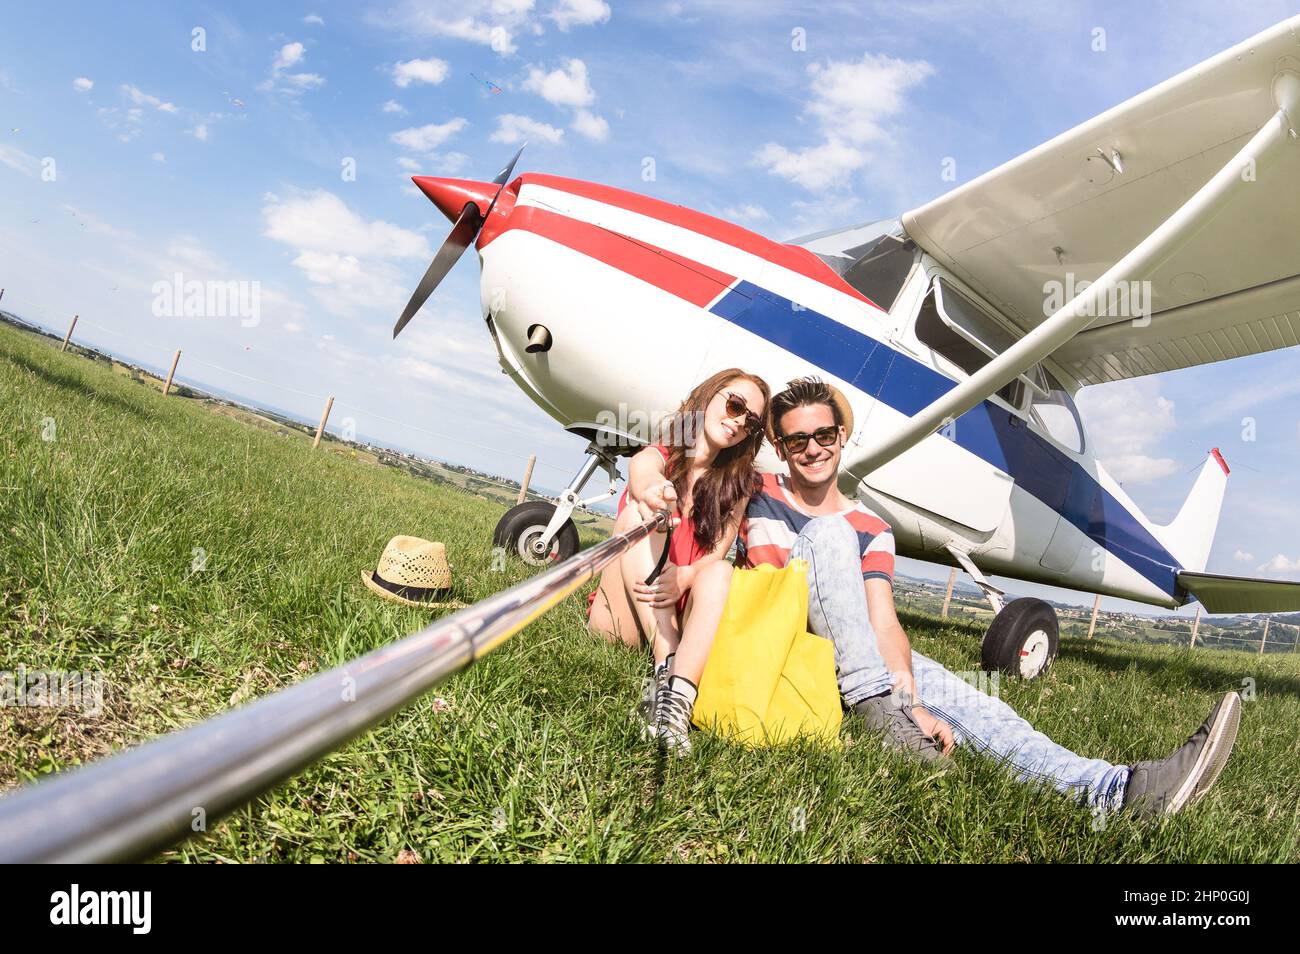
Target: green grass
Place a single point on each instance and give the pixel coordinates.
(530, 754)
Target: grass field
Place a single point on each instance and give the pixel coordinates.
(198, 561)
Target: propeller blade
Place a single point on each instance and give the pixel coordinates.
(502, 178)
(461, 237)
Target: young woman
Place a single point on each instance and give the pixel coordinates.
(704, 473)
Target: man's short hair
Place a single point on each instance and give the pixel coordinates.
(803, 392)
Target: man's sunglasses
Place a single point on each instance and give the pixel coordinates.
(824, 436)
(737, 408)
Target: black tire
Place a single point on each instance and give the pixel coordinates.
(1023, 639)
(521, 525)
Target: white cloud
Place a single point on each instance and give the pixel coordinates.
(290, 54)
(590, 125)
(81, 84)
(200, 132)
(141, 98)
(409, 164)
(431, 71)
(320, 221)
(393, 106)
(1280, 564)
(495, 23)
(158, 157)
(748, 212)
(850, 101)
(350, 259)
(1241, 556)
(313, 19)
(571, 13)
(305, 80)
(815, 167)
(430, 137)
(19, 161)
(568, 86)
(1125, 421)
(512, 128)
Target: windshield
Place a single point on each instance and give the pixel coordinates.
(875, 258)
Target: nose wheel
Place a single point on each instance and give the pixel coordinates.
(522, 533)
(541, 532)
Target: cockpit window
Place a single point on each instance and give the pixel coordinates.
(874, 258)
(959, 330)
(1058, 416)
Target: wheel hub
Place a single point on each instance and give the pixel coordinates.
(1033, 654)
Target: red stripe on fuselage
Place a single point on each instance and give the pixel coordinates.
(695, 282)
(796, 259)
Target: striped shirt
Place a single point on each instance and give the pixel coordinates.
(773, 520)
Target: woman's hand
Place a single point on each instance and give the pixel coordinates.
(664, 592)
(658, 496)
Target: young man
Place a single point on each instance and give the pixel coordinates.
(917, 704)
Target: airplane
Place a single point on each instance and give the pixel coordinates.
(1158, 235)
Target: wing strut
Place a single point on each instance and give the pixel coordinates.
(1079, 312)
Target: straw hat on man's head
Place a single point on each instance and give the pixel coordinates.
(412, 571)
(804, 391)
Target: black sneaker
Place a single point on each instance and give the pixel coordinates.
(673, 721)
(1169, 785)
(644, 712)
(899, 728)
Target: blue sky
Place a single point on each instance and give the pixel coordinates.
(229, 163)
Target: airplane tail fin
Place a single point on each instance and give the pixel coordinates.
(1189, 535)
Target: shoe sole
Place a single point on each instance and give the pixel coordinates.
(1213, 757)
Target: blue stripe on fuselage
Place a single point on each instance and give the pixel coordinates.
(987, 431)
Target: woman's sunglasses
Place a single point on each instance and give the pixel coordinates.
(824, 436)
(737, 408)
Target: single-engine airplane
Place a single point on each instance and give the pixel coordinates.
(1159, 235)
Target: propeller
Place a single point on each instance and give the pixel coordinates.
(446, 194)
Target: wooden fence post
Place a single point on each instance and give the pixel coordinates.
(947, 597)
(324, 416)
(1196, 624)
(1264, 639)
(528, 475)
(68, 336)
(1096, 605)
(167, 385)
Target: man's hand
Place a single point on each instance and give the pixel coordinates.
(935, 728)
(905, 688)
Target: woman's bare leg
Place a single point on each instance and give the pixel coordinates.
(612, 615)
(701, 619)
(616, 614)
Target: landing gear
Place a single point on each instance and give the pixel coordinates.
(522, 533)
(1023, 639)
(540, 532)
(1024, 636)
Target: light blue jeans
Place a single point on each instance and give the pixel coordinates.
(837, 610)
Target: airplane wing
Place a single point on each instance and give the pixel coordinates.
(1192, 186)
(1070, 209)
(1241, 594)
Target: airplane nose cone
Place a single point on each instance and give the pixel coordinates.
(452, 195)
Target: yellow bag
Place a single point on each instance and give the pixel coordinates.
(767, 679)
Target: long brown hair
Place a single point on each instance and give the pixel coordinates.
(732, 477)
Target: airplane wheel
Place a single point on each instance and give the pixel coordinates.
(1023, 639)
(521, 527)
